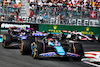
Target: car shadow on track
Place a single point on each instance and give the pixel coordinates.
(12, 48)
(68, 59)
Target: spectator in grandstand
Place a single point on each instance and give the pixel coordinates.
(4, 5)
(3, 18)
(82, 9)
(31, 13)
(19, 6)
(8, 1)
(9, 7)
(19, 20)
(58, 10)
(45, 18)
(2, 2)
(50, 4)
(12, 2)
(14, 6)
(18, 1)
(50, 11)
(31, 3)
(98, 9)
(11, 17)
(28, 1)
(58, 19)
(63, 19)
(41, 18)
(90, 5)
(54, 11)
(17, 13)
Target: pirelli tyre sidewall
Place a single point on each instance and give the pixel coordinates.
(37, 49)
(77, 49)
(7, 40)
(26, 46)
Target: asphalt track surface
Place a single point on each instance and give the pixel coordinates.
(11, 57)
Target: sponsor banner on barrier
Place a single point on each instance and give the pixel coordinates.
(59, 28)
(6, 25)
(85, 22)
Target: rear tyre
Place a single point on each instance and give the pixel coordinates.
(37, 49)
(26, 46)
(7, 39)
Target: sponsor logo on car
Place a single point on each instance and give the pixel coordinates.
(48, 54)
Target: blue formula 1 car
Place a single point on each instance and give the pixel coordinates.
(15, 35)
(51, 46)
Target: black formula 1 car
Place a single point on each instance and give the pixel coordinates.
(51, 46)
(78, 36)
(15, 35)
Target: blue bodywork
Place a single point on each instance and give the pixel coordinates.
(0, 38)
(59, 48)
(23, 37)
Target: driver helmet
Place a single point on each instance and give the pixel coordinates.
(23, 32)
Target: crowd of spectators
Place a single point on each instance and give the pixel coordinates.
(11, 8)
(59, 9)
(54, 8)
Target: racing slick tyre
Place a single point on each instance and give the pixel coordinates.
(7, 40)
(93, 37)
(77, 49)
(26, 46)
(37, 49)
(99, 38)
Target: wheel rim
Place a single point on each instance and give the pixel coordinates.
(34, 50)
(3, 43)
(21, 47)
(74, 49)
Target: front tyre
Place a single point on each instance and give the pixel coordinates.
(77, 49)
(26, 46)
(7, 39)
(37, 49)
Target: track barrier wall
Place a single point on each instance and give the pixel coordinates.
(58, 28)
(55, 28)
(6, 25)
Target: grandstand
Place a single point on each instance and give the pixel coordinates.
(63, 12)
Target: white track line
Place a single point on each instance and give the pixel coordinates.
(88, 62)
